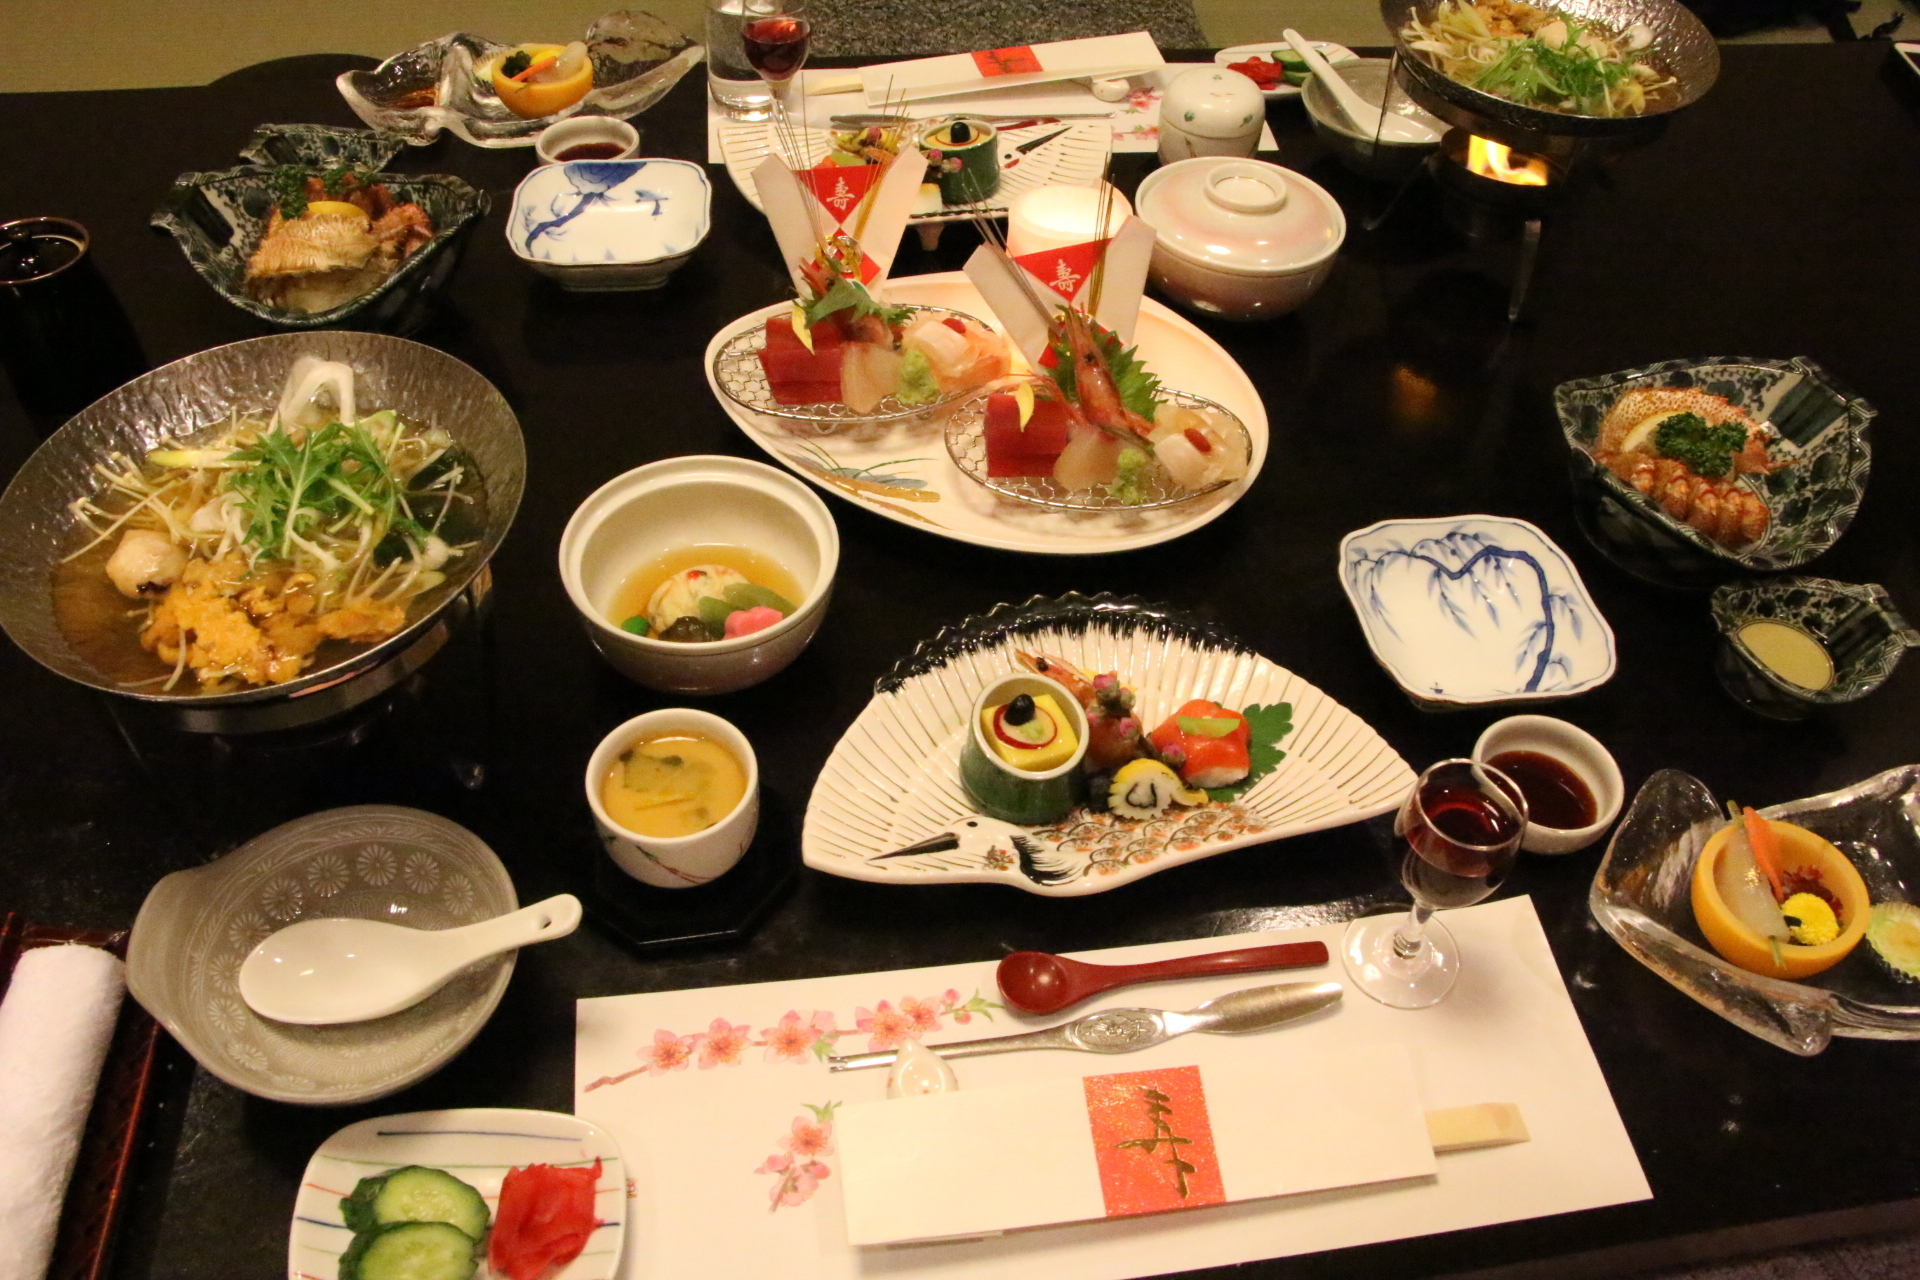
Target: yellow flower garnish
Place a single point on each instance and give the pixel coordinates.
(1810, 920)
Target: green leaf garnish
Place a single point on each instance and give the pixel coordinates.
(1266, 726)
(844, 294)
(288, 184)
(516, 62)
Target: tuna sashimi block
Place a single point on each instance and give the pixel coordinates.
(1030, 451)
(799, 376)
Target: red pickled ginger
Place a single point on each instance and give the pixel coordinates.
(544, 1220)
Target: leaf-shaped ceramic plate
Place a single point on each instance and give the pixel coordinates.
(477, 1145)
(893, 781)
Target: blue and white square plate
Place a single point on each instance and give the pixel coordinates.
(477, 1145)
(1474, 610)
(610, 224)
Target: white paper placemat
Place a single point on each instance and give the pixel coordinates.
(724, 1111)
(1136, 121)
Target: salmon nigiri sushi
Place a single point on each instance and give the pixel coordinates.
(1206, 743)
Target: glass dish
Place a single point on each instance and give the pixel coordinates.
(1821, 432)
(1642, 897)
(967, 445)
(636, 58)
(738, 373)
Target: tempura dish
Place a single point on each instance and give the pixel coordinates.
(1540, 57)
(331, 237)
(1691, 452)
(260, 522)
(307, 523)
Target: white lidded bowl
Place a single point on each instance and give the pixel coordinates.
(677, 862)
(1573, 747)
(1239, 239)
(649, 511)
(610, 225)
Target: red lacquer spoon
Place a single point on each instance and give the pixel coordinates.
(1040, 982)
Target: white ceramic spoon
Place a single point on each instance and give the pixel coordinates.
(320, 972)
(1388, 126)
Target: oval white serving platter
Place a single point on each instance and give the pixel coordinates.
(477, 1145)
(892, 782)
(902, 470)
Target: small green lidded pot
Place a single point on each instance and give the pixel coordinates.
(967, 155)
(1789, 646)
(1001, 790)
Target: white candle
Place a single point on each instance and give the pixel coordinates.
(1055, 217)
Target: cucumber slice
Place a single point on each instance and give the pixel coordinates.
(1893, 931)
(411, 1251)
(416, 1194)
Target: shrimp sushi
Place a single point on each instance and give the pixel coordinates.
(1206, 743)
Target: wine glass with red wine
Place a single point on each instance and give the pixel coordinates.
(776, 34)
(1459, 831)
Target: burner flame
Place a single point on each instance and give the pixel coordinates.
(1500, 163)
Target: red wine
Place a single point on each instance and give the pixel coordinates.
(1462, 850)
(776, 46)
(1556, 797)
(591, 151)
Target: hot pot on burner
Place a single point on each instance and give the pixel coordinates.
(191, 396)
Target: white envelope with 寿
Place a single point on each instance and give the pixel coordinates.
(1121, 1144)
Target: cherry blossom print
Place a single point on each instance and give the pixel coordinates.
(723, 1043)
(794, 1038)
(924, 1014)
(885, 1026)
(669, 1052)
(796, 1167)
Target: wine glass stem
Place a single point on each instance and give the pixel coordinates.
(1411, 936)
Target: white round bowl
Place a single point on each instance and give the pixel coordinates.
(1581, 752)
(681, 502)
(677, 862)
(1261, 257)
(575, 130)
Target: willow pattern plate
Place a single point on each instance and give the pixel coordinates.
(892, 782)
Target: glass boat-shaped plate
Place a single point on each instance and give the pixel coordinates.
(1819, 433)
(888, 806)
(1642, 897)
(434, 86)
(737, 372)
(967, 445)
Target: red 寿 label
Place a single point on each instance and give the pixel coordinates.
(839, 189)
(1066, 270)
(1018, 60)
(1153, 1141)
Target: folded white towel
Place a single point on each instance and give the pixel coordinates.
(55, 1024)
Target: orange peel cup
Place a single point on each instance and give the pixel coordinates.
(1800, 849)
(531, 100)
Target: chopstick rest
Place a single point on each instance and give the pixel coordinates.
(55, 1026)
(1485, 1124)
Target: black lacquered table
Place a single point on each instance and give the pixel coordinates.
(1774, 218)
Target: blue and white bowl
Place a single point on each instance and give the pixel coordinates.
(610, 224)
(1472, 610)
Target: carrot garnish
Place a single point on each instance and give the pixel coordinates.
(537, 65)
(1766, 851)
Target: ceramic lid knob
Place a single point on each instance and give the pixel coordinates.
(1247, 217)
(1213, 102)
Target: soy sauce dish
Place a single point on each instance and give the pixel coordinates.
(1572, 783)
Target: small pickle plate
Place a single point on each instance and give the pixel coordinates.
(477, 1145)
(893, 780)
